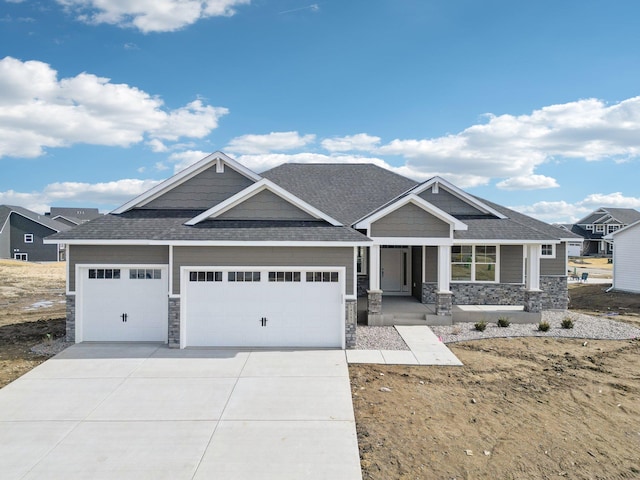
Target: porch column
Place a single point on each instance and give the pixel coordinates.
(532, 292)
(374, 267)
(374, 294)
(444, 297)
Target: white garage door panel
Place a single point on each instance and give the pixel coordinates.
(298, 314)
(104, 301)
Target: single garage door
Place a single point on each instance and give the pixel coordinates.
(263, 307)
(123, 304)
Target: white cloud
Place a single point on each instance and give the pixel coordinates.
(38, 110)
(107, 194)
(182, 160)
(513, 147)
(150, 15)
(274, 141)
(529, 182)
(358, 142)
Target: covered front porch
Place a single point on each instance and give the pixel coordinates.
(412, 284)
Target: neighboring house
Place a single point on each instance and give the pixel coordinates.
(22, 232)
(218, 255)
(599, 223)
(626, 261)
(73, 216)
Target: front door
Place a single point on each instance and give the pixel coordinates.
(394, 274)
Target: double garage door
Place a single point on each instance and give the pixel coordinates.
(222, 307)
(260, 307)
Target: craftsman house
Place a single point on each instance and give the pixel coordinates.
(218, 255)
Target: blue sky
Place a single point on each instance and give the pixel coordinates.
(533, 105)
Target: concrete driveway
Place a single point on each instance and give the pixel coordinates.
(105, 411)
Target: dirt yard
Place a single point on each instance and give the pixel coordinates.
(32, 310)
(519, 409)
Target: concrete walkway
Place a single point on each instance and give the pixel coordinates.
(425, 349)
(106, 411)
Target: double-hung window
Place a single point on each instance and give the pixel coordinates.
(474, 263)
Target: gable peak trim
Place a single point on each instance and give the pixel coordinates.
(219, 159)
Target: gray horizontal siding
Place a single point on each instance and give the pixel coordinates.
(410, 221)
(511, 263)
(265, 206)
(555, 266)
(203, 191)
(448, 202)
(263, 256)
(114, 254)
(431, 271)
(36, 251)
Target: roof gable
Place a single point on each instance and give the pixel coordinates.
(433, 187)
(211, 180)
(7, 210)
(258, 188)
(417, 201)
(623, 216)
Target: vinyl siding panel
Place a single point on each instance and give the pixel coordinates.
(36, 251)
(203, 191)
(114, 254)
(449, 203)
(626, 261)
(410, 221)
(263, 256)
(5, 241)
(265, 205)
(511, 263)
(432, 265)
(555, 266)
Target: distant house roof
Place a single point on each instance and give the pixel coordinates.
(73, 215)
(624, 216)
(6, 210)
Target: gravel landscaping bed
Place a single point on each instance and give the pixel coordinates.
(50, 348)
(585, 326)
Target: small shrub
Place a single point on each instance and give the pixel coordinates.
(480, 326)
(544, 327)
(567, 323)
(503, 322)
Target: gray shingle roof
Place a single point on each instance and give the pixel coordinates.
(168, 225)
(6, 210)
(626, 216)
(346, 192)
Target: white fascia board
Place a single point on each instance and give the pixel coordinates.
(419, 202)
(498, 241)
(413, 241)
(185, 175)
(220, 243)
(458, 193)
(256, 188)
(67, 219)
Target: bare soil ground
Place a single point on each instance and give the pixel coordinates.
(520, 408)
(32, 310)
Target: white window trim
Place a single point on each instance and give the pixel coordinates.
(28, 238)
(599, 228)
(553, 251)
(21, 256)
(473, 265)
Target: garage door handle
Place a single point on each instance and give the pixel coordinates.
(263, 321)
(124, 317)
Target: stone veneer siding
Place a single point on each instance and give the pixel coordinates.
(174, 323)
(533, 301)
(71, 318)
(554, 293)
(350, 321)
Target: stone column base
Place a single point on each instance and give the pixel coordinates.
(533, 301)
(444, 303)
(174, 323)
(71, 319)
(350, 323)
(374, 307)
